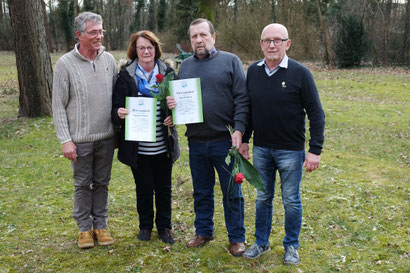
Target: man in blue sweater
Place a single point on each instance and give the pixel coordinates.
(225, 102)
(282, 91)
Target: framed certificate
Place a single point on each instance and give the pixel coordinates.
(140, 123)
(187, 94)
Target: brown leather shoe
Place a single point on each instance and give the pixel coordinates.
(237, 249)
(199, 241)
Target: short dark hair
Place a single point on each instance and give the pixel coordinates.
(202, 20)
(132, 48)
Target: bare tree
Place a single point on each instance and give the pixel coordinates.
(406, 33)
(327, 55)
(285, 11)
(47, 26)
(1, 9)
(205, 9)
(32, 57)
(272, 11)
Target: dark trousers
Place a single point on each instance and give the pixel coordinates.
(153, 176)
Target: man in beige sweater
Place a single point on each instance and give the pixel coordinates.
(82, 101)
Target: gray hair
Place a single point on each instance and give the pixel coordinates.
(83, 18)
(200, 21)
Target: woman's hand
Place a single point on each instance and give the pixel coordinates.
(168, 121)
(122, 112)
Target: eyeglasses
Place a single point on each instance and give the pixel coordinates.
(276, 42)
(143, 48)
(96, 32)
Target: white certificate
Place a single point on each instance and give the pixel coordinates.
(140, 123)
(187, 94)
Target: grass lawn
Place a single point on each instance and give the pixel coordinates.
(356, 205)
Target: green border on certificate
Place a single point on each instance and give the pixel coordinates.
(188, 96)
(141, 121)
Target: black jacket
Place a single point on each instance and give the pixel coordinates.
(126, 86)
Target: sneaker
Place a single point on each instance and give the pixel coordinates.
(144, 235)
(166, 236)
(291, 255)
(85, 239)
(255, 251)
(103, 237)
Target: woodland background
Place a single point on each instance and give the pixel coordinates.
(315, 26)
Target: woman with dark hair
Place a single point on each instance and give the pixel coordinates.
(150, 162)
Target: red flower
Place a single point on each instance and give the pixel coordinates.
(160, 78)
(239, 177)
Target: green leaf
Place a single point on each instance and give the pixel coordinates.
(228, 159)
(249, 171)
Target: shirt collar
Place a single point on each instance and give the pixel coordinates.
(283, 63)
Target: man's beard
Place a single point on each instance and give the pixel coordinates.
(202, 54)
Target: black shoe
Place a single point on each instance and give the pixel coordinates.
(166, 236)
(144, 235)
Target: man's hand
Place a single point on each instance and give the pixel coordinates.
(244, 150)
(168, 121)
(171, 102)
(237, 139)
(70, 151)
(122, 112)
(312, 162)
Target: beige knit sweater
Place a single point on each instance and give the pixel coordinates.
(82, 97)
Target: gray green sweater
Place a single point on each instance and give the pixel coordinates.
(224, 95)
(82, 97)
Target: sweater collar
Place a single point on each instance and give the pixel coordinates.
(78, 54)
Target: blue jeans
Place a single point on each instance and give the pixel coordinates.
(290, 166)
(204, 158)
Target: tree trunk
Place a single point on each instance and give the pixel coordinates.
(47, 26)
(272, 12)
(1, 9)
(406, 33)
(32, 57)
(324, 31)
(285, 11)
(235, 11)
(206, 10)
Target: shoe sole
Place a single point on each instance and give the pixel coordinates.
(260, 254)
(290, 263)
(88, 245)
(105, 243)
(237, 255)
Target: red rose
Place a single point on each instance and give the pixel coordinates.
(239, 177)
(160, 78)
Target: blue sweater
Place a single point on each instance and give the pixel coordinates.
(224, 97)
(279, 105)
